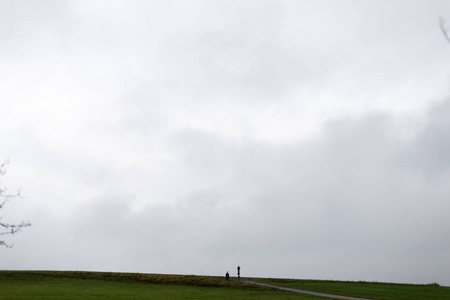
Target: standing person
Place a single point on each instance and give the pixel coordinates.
(227, 276)
(239, 273)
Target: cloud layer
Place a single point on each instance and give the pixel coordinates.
(297, 139)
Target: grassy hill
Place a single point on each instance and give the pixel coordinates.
(371, 290)
(103, 285)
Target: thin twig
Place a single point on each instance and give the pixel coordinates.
(7, 228)
(443, 29)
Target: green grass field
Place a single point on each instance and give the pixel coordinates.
(99, 285)
(93, 285)
(372, 290)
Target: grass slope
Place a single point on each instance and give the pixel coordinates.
(371, 290)
(103, 285)
(95, 285)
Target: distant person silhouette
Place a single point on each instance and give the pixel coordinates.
(239, 272)
(227, 276)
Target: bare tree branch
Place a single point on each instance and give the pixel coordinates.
(444, 29)
(7, 228)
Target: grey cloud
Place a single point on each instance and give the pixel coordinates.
(347, 204)
(31, 29)
(431, 148)
(345, 194)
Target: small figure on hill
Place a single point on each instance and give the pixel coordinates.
(227, 276)
(239, 272)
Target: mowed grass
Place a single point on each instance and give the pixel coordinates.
(93, 285)
(371, 290)
(103, 285)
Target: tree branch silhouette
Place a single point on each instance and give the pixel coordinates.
(5, 227)
(444, 29)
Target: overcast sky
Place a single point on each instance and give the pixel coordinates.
(301, 139)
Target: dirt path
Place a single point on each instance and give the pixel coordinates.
(303, 291)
